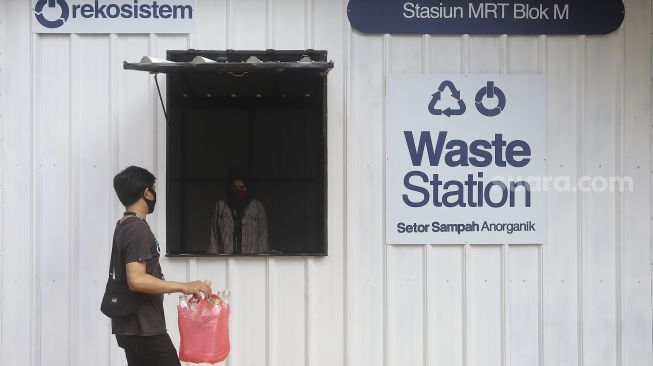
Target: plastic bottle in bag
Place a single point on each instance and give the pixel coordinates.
(225, 294)
(183, 301)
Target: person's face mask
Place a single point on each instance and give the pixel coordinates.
(239, 194)
(238, 191)
(152, 203)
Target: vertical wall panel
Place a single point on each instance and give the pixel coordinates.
(404, 270)
(522, 295)
(484, 264)
(325, 276)
(17, 246)
(524, 305)
(91, 111)
(405, 305)
(523, 55)
(445, 264)
(249, 25)
(116, 355)
(484, 283)
(174, 269)
(636, 264)
(214, 270)
(445, 305)
(287, 312)
(404, 55)
(485, 54)
(290, 24)
(160, 44)
(445, 54)
(599, 208)
(3, 83)
(55, 238)
(211, 25)
(249, 277)
(365, 247)
(134, 132)
(135, 122)
(287, 276)
(249, 331)
(560, 255)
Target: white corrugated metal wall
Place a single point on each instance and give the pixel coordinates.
(72, 117)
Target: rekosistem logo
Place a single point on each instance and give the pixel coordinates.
(49, 17)
(40, 16)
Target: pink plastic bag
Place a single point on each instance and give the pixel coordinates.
(204, 331)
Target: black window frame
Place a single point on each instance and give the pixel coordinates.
(269, 62)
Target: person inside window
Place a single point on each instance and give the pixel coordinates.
(239, 224)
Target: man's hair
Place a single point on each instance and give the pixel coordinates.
(131, 183)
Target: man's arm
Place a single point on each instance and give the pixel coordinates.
(139, 281)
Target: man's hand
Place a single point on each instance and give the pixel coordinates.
(195, 288)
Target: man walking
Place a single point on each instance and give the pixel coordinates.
(143, 335)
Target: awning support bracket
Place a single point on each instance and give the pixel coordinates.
(163, 106)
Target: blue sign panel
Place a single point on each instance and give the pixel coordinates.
(490, 17)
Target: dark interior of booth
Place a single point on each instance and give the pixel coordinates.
(270, 123)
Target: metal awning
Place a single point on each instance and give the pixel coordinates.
(226, 77)
(234, 62)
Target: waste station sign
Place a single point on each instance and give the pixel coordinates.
(461, 153)
(486, 17)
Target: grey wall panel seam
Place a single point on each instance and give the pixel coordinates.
(73, 156)
(540, 310)
(114, 154)
(464, 68)
(151, 44)
(267, 311)
(307, 33)
(386, 67)
(307, 318)
(581, 86)
(308, 39)
(228, 41)
(464, 57)
(311, 43)
(270, 24)
(426, 68)
(425, 299)
(2, 170)
(504, 57)
(230, 24)
(190, 40)
(542, 69)
(347, 112)
(35, 139)
(270, 42)
(465, 297)
(504, 54)
(619, 202)
(504, 265)
(228, 35)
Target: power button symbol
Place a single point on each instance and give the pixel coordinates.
(490, 91)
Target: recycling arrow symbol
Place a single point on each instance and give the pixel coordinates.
(437, 96)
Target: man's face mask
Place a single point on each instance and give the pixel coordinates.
(152, 203)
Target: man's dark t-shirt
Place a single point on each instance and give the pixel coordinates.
(135, 242)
